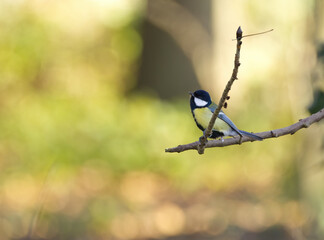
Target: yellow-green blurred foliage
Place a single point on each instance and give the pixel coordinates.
(82, 159)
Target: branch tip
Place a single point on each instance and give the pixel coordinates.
(239, 33)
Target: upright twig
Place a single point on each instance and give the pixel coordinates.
(208, 131)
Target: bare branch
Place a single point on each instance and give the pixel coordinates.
(303, 123)
(208, 131)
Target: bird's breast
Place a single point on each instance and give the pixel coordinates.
(203, 116)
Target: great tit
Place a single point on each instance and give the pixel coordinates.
(202, 109)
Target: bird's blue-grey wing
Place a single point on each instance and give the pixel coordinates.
(212, 107)
(223, 117)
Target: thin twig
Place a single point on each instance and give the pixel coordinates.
(203, 140)
(254, 34)
(303, 123)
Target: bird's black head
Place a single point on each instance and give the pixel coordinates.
(199, 99)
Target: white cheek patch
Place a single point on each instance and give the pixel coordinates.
(199, 102)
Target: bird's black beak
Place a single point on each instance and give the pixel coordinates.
(190, 93)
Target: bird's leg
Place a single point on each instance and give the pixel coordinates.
(209, 135)
(222, 139)
(241, 138)
(200, 139)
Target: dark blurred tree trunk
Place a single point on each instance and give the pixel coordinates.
(166, 69)
(311, 159)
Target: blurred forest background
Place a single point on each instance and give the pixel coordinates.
(93, 91)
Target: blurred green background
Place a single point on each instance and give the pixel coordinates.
(93, 91)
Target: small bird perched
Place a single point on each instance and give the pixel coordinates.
(202, 109)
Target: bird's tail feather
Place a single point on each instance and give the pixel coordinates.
(251, 135)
